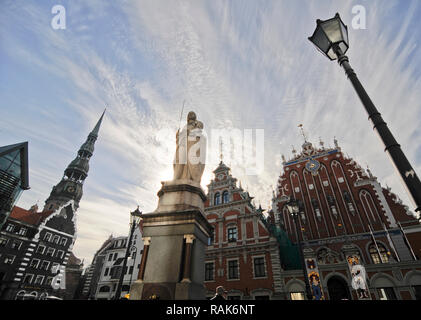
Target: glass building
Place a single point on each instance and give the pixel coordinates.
(14, 176)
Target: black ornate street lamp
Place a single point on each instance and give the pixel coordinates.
(331, 38)
(135, 218)
(294, 210)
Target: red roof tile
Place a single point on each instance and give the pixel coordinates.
(29, 217)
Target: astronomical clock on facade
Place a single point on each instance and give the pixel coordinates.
(359, 240)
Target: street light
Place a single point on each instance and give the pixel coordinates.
(294, 210)
(135, 218)
(331, 38)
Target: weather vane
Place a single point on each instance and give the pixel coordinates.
(302, 132)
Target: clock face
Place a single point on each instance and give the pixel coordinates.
(312, 166)
(220, 176)
(71, 189)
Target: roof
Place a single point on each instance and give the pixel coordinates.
(73, 260)
(29, 217)
(221, 167)
(95, 131)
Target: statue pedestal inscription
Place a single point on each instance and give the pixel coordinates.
(175, 238)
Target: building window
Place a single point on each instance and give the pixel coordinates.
(297, 295)
(28, 278)
(3, 242)
(125, 288)
(34, 263)
(63, 241)
(8, 259)
(232, 234)
(110, 257)
(56, 239)
(50, 252)
(39, 280)
(16, 245)
(209, 271)
(225, 198)
(22, 231)
(60, 254)
(106, 272)
(45, 265)
(10, 227)
(233, 269)
(55, 267)
(41, 249)
(47, 236)
(104, 289)
(375, 254)
(131, 270)
(387, 293)
(217, 199)
(259, 267)
(49, 281)
(115, 256)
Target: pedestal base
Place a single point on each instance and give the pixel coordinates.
(179, 195)
(172, 266)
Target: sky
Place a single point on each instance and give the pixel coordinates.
(240, 65)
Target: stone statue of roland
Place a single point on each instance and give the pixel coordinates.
(190, 155)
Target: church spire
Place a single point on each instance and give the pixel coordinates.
(70, 186)
(95, 131)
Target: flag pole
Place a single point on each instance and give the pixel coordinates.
(375, 242)
(406, 241)
(391, 242)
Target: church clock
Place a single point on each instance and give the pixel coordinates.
(70, 189)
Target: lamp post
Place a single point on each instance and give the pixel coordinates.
(293, 209)
(135, 218)
(331, 38)
(133, 249)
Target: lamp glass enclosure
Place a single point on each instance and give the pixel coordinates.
(135, 217)
(329, 35)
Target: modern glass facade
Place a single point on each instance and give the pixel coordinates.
(13, 177)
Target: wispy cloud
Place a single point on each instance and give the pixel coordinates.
(245, 65)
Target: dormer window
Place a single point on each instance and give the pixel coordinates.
(217, 199)
(225, 197)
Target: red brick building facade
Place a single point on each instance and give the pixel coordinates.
(339, 203)
(243, 257)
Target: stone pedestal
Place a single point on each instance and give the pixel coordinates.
(175, 238)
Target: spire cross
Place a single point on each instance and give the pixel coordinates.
(221, 156)
(302, 132)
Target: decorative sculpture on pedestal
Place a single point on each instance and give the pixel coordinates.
(190, 155)
(175, 235)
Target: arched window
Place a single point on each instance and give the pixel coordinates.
(375, 254)
(104, 289)
(217, 199)
(225, 197)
